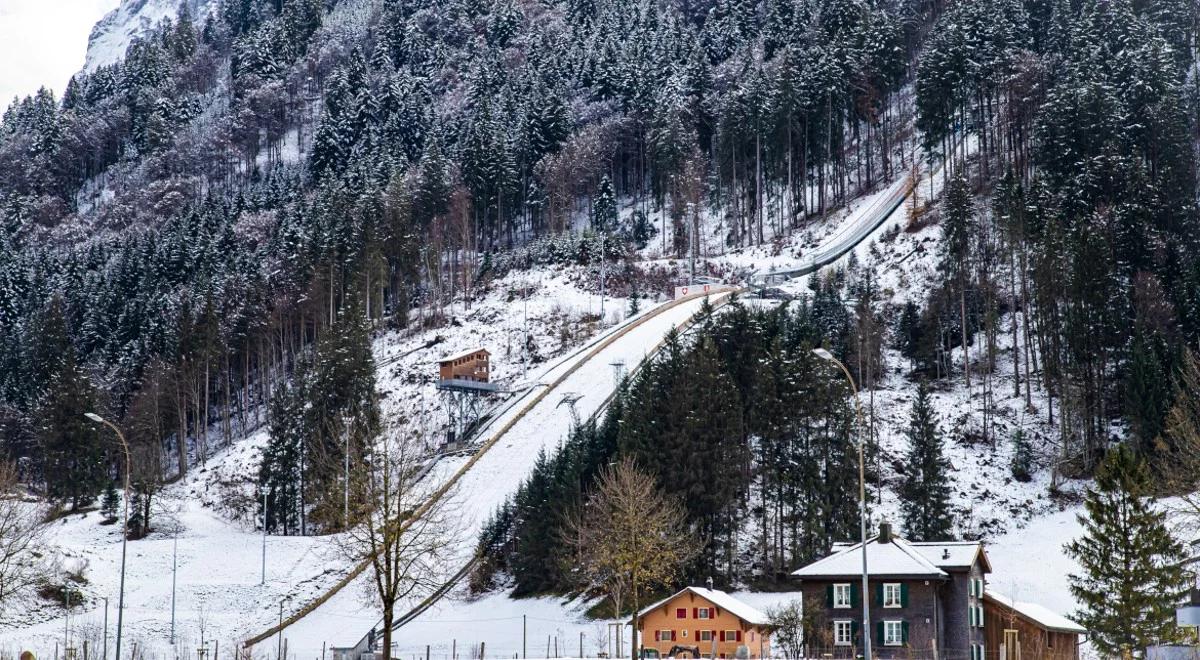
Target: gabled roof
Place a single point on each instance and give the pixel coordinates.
(1036, 613)
(895, 558)
(463, 354)
(943, 554)
(721, 600)
(954, 554)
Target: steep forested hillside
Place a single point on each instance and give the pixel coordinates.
(196, 214)
(185, 229)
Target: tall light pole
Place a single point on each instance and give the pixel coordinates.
(174, 571)
(105, 657)
(862, 502)
(125, 529)
(263, 580)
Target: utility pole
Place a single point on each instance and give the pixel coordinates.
(603, 263)
(862, 500)
(279, 643)
(67, 621)
(524, 632)
(263, 579)
(346, 481)
(525, 344)
(174, 571)
(105, 599)
(124, 530)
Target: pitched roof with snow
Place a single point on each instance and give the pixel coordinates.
(463, 354)
(894, 558)
(720, 599)
(1036, 613)
(954, 554)
(943, 554)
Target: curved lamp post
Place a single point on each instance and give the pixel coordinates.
(125, 529)
(862, 501)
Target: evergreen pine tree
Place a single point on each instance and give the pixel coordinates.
(925, 492)
(1022, 459)
(1131, 578)
(73, 464)
(110, 502)
(604, 207)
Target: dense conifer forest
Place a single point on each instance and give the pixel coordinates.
(201, 238)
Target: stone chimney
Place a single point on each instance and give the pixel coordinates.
(885, 532)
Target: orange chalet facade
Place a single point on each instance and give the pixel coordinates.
(472, 365)
(703, 623)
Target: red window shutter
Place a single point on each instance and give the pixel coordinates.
(739, 635)
(672, 635)
(722, 635)
(656, 636)
(695, 612)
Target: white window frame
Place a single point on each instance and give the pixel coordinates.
(661, 632)
(840, 590)
(705, 636)
(838, 626)
(729, 637)
(702, 613)
(891, 589)
(893, 633)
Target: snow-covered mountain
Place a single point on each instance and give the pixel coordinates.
(133, 18)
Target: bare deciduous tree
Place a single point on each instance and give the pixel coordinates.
(1181, 474)
(629, 538)
(22, 536)
(403, 534)
(800, 629)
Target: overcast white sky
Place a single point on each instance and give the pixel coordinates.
(43, 42)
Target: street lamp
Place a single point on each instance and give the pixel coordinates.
(125, 530)
(862, 501)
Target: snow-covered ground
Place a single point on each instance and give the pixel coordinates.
(217, 579)
(560, 309)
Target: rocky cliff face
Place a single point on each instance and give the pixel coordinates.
(133, 18)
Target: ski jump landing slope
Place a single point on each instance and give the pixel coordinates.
(538, 419)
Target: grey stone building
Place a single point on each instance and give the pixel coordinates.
(925, 599)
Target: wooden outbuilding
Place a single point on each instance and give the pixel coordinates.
(1016, 630)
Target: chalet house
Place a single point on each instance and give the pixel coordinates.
(471, 365)
(1014, 630)
(928, 599)
(698, 622)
